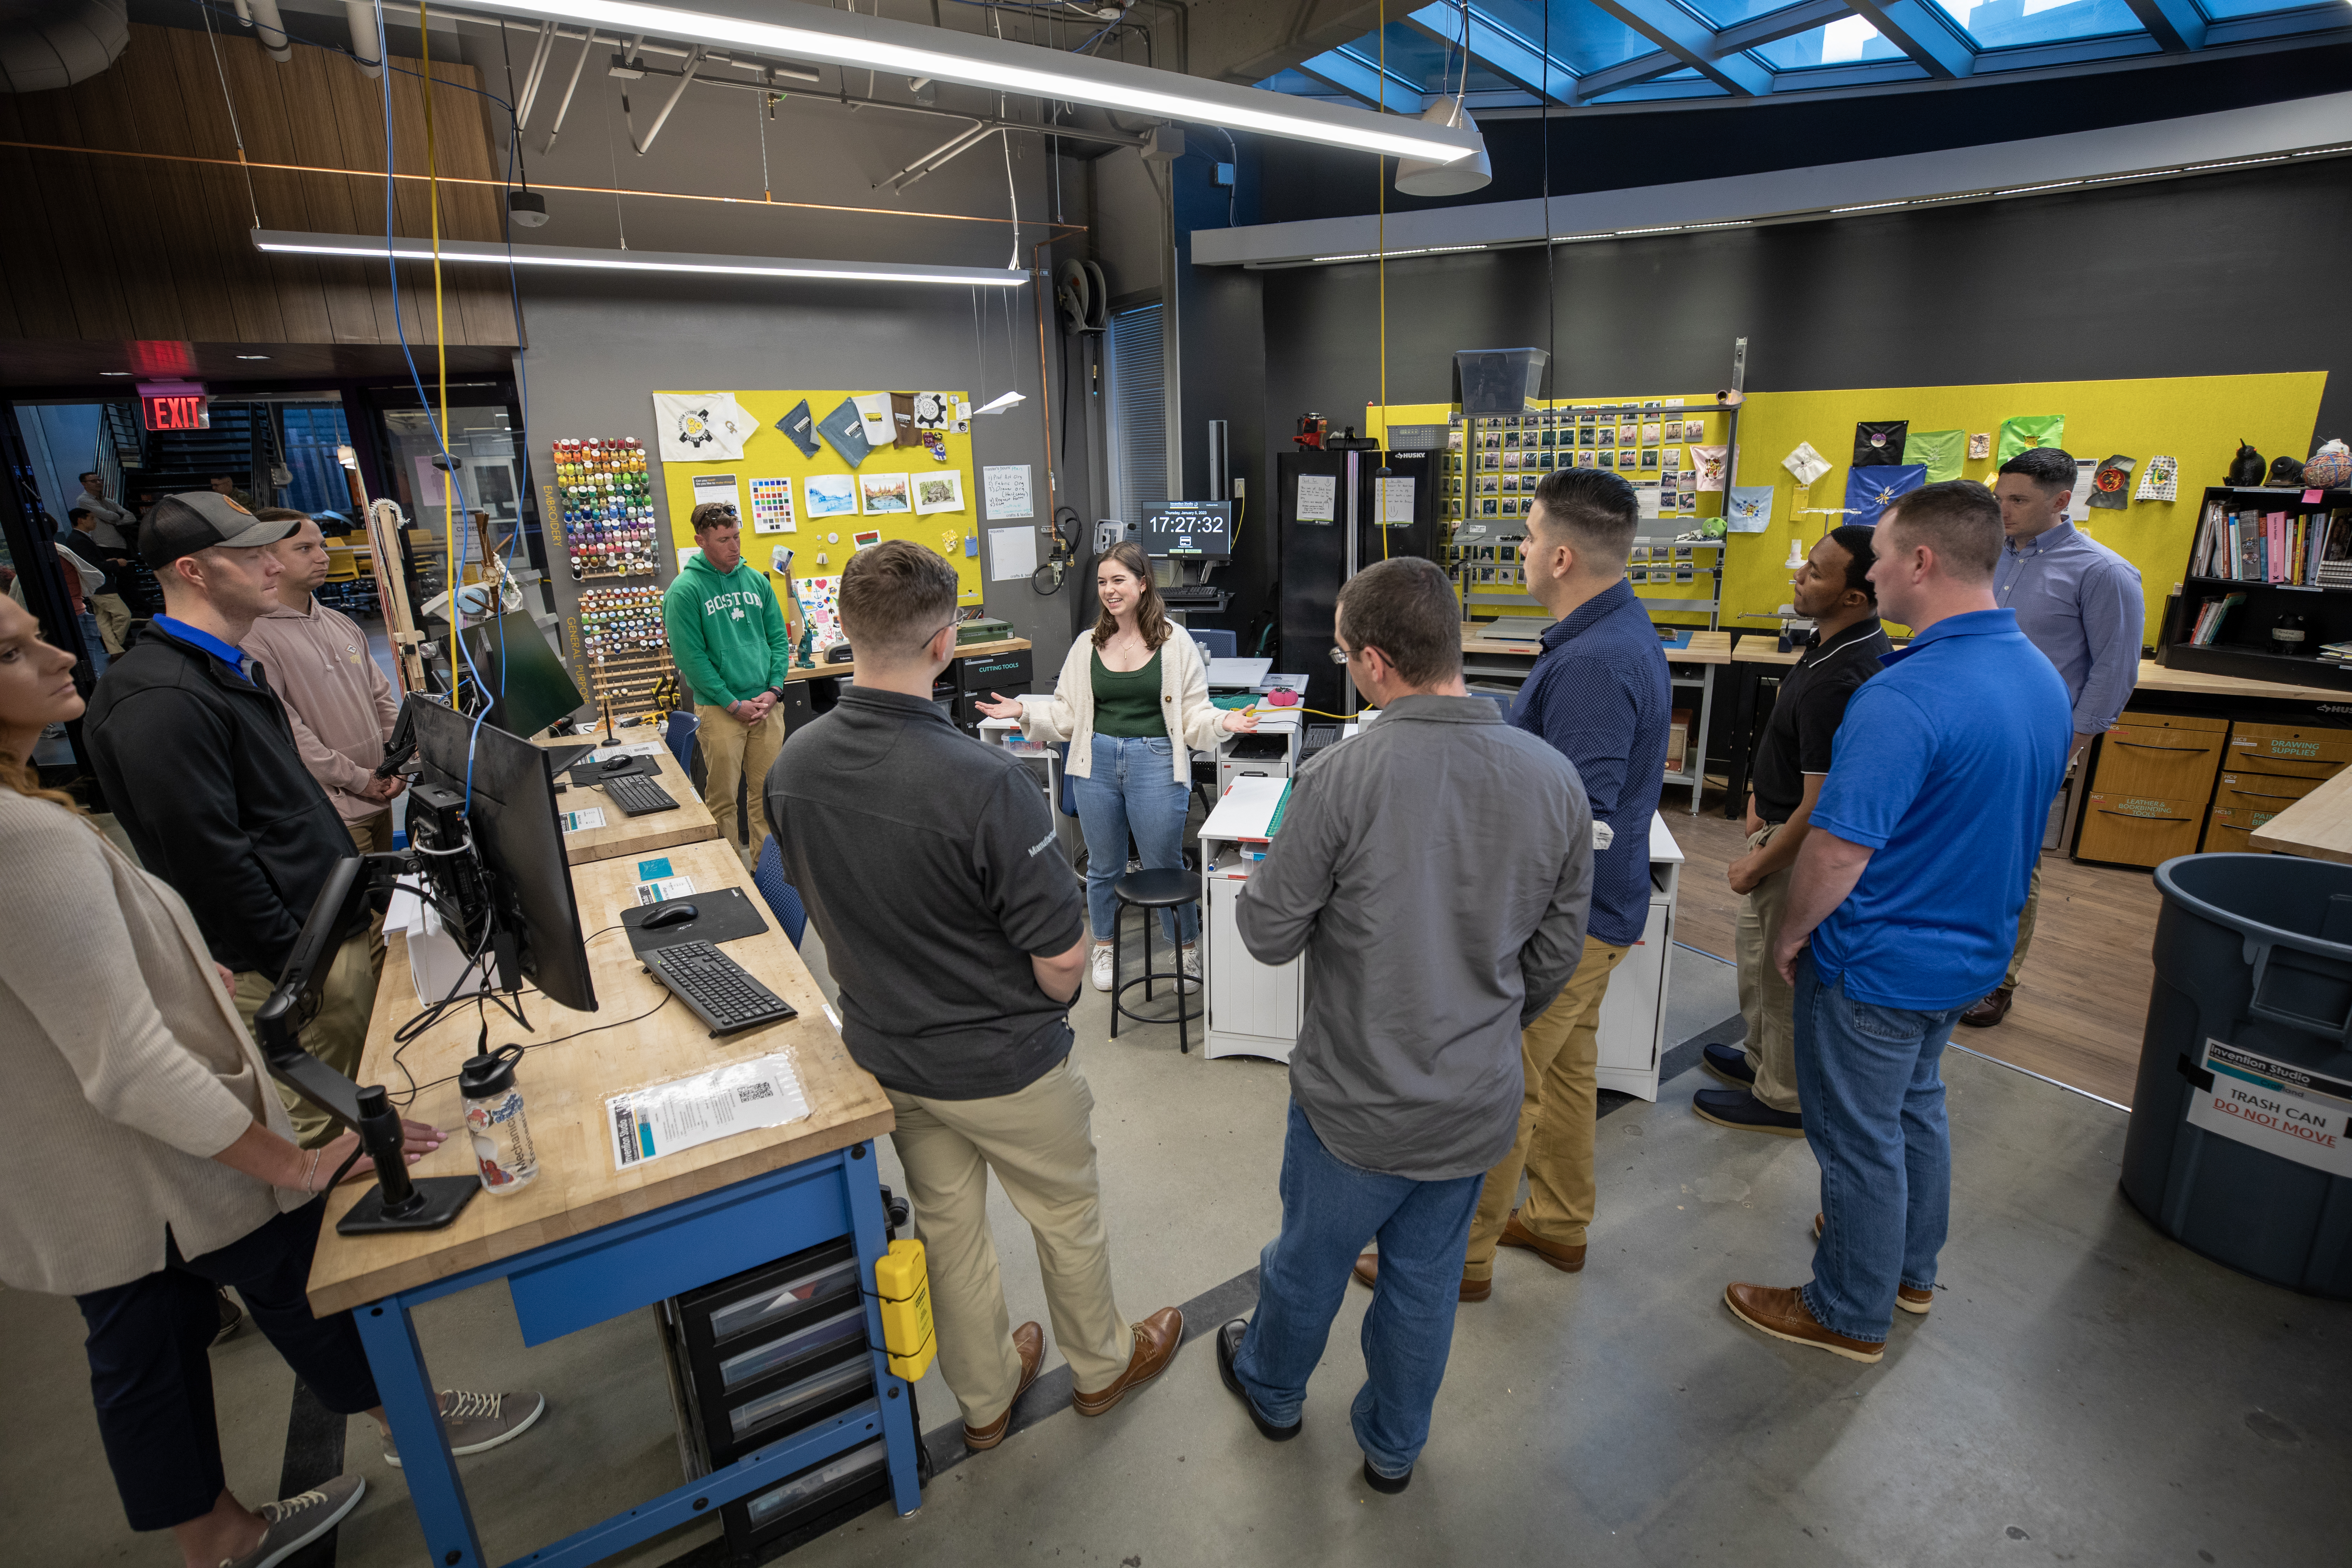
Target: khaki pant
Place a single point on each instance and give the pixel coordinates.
(734, 753)
(1767, 1002)
(2024, 926)
(1040, 1146)
(113, 620)
(372, 834)
(338, 1034)
(1560, 1054)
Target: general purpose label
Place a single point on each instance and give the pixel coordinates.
(2277, 1107)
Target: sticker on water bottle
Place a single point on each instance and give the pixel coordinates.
(2275, 1105)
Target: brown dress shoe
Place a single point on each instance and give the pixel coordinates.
(1156, 1339)
(1784, 1315)
(1989, 1010)
(1029, 1344)
(1915, 1303)
(1368, 1273)
(1818, 1226)
(1567, 1259)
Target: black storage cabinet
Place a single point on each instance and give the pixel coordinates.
(977, 674)
(760, 1356)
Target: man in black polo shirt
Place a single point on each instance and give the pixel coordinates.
(1833, 588)
(957, 933)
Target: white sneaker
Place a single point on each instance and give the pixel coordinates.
(1192, 960)
(1102, 970)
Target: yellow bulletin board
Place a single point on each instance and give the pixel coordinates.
(822, 546)
(2197, 420)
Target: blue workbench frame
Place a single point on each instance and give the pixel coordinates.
(588, 1279)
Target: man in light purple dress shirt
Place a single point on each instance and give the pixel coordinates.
(2079, 603)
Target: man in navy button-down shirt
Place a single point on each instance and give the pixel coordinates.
(2079, 603)
(1600, 697)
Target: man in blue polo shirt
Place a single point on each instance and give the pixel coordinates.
(1904, 911)
(1600, 696)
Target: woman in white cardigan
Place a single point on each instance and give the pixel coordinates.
(149, 1160)
(1133, 702)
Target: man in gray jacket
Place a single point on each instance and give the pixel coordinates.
(1436, 871)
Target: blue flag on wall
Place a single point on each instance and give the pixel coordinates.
(1869, 491)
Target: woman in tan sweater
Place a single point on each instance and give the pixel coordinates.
(150, 1164)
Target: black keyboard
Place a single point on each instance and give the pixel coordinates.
(637, 795)
(722, 993)
(1192, 594)
(1318, 736)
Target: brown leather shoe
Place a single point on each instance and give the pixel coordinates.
(1567, 1259)
(1818, 1226)
(1784, 1315)
(1156, 1339)
(1915, 1303)
(1989, 1010)
(1368, 1272)
(1029, 1342)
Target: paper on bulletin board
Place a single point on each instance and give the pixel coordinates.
(1005, 488)
(772, 506)
(1012, 555)
(741, 1097)
(718, 488)
(1319, 498)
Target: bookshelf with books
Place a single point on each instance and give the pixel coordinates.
(2266, 593)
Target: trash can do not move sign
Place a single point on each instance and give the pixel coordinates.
(2241, 1139)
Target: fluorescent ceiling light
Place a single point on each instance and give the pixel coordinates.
(372, 247)
(903, 48)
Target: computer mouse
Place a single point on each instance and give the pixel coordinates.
(616, 764)
(675, 915)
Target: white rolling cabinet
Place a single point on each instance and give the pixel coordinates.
(1251, 1009)
(1634, 1010)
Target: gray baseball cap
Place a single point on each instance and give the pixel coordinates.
(198, 520)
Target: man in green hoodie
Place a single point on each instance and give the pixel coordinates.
(728, 640)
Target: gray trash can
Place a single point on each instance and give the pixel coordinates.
(2239, 1145)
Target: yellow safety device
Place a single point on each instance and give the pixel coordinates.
(905, 1286)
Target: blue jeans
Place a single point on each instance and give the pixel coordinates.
(1329, 1209)
(93, 644)
(1132, 789)
(1874, 1116)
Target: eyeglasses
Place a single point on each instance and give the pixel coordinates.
(1340, 655)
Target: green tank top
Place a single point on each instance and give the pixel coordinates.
(1126, 704)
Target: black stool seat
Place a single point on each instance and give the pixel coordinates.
(1152, 890)
(1158, 889)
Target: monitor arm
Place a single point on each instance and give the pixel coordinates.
(399, 1203)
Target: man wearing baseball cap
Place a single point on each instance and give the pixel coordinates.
(199, 761)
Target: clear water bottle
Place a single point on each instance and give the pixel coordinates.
(495, 1122)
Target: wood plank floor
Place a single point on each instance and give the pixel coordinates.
(2082, 997)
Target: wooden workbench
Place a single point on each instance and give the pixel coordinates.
(622, 834)
(963, 650)
(2318, 826)
(565, 1082)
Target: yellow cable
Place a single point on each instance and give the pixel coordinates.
(440, 345)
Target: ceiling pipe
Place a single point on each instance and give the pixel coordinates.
(48, 47)
(542, 50)
(361, 17)
(587, 47)
(685, 79)
(270, 27)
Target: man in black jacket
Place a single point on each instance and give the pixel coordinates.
(199, 763)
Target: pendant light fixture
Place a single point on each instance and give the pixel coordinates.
(1427, 177)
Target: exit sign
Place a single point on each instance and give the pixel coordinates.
(174, 405)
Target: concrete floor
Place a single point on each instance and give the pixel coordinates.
(2084, 1392)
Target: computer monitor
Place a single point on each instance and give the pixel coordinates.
(510, 814)
(515, 670)
(1190, 531)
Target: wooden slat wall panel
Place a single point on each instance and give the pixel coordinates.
(171, 254)
(32, 270)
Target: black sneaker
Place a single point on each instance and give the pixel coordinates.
(232, 1317)
(1229, 1344)
(1381, 1483)
(1738, 1109)
(1728, 1063)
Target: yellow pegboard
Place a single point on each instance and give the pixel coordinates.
(2197, 419)
(770, 454)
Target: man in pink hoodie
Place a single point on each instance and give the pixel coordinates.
(337, 697)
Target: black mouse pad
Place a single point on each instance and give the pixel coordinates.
(593, 772)
(724, 915)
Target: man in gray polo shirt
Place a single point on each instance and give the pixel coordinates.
(1435, 870)
(956, 932)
